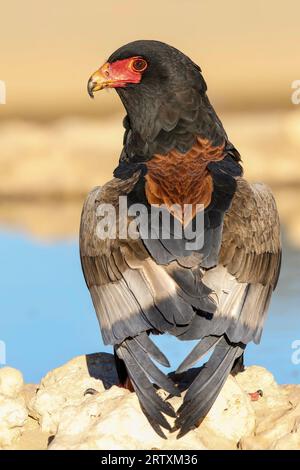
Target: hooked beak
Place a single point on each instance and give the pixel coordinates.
(99, 80)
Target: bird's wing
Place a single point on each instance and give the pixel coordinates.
(133, 295)
(242, 282)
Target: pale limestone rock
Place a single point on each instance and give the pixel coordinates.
(290, 441)
(282, 425)
(113, 420)
(255, 378)
(274, 401)
(276, 412)
(13, 412)
(29, 391)
(190, 441)
(251, 443)
(293, 393)
(31, 438)
(13, 416)
(231, 416)
(11, 382)
(111, 417)
(66, 385)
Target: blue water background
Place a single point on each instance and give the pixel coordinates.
(47, 318)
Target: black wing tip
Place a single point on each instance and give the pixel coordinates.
(181, 408)
(165, 363)
(183, 432)
(172, 389)
(152, 349)
(175, 392)
(182, 368)
(155, 425)
(200, 350)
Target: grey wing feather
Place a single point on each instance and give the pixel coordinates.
(131, 293)
(251, 245)
(249, 263)
(242, 284)
(133, 296)
(207, 385)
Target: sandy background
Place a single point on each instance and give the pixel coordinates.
(249, 51)
(56, 144)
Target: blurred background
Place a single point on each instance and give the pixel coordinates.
(56, 144)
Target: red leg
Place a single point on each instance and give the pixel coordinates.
(127, 385)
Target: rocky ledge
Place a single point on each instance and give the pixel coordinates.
(80, 406)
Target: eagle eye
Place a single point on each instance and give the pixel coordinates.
(139, 65)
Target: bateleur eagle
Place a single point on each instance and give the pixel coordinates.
(176, 152)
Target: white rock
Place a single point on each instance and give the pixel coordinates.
(276, 412)
(290, 441)
(231, 416)
(11, 382)
(13, 411)
(255, 378)
(13, 415)
(273, 430)
(66, 385)
(274, 402)
(292, 392)
(112, 419)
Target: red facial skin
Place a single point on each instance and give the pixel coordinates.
(117, 74)
(121, 73)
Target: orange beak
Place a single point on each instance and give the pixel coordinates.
(99, 80)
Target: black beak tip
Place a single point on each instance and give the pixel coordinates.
(90, 88)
